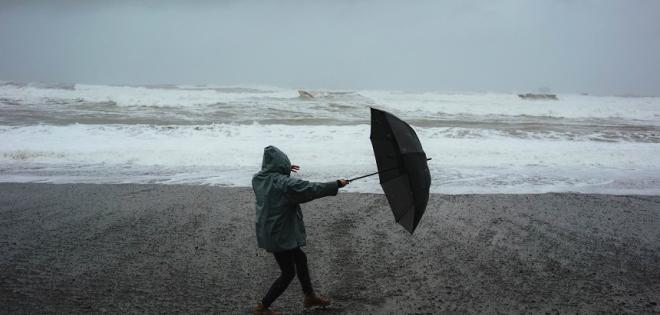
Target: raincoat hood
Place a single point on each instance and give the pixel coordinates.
(275, 161)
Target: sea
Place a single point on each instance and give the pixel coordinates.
(479, 142)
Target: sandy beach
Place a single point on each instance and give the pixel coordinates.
(78, 248)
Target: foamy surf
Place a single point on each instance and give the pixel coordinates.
(464, 160)
(209, 134)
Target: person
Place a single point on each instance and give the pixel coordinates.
(279, 223)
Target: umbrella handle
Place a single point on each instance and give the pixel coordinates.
(372, 174)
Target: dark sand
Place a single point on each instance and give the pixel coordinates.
(191, 249)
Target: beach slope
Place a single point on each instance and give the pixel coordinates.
(191, 249)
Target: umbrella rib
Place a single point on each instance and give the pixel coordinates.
(374, 173)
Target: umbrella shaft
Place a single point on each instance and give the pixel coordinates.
(363, 176)
(372, 174)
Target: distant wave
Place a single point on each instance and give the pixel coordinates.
(39, 85)
(158, 96)
(246, 102)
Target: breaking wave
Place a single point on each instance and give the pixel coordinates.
(210, 134)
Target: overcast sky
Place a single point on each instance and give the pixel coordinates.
(595, 46)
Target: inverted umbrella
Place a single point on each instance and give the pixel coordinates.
(402, 167)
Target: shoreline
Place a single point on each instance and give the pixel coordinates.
(447, 191)
(182, 248)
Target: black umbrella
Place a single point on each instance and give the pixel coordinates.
(402, 167)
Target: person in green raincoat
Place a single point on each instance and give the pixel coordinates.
(280, 227)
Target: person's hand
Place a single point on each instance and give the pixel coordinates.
(295, 168)
(342, 182)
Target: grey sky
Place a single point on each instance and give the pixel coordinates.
(597, 46)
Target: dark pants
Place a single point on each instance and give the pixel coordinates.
(291, 262)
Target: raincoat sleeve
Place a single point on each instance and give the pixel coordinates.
(301, 191)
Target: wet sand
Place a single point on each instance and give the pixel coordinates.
(191, 249)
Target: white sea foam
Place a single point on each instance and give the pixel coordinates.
(227, 154)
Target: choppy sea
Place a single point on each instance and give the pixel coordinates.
(214, 135)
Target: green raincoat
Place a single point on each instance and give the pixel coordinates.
(278, 197)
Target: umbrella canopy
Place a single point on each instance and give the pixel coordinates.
(402, 167)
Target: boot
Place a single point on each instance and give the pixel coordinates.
(315, 300)
(262, 310)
